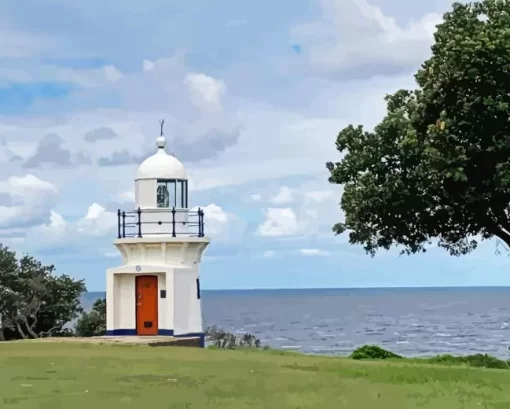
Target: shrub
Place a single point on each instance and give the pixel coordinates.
(226, 340)
(373, 352)
(476, 361)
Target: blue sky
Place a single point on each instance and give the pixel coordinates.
(253, 95)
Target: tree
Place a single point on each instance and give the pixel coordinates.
(34, 302)
(62, 305)
(438, 165)
(93, 323)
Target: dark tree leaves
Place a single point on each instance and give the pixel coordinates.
(33, 301)
(438, 165)
(93, 323)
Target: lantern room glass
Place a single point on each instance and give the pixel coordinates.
(172, 193)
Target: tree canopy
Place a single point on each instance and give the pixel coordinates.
(438, 164)
(93, 323)
(33, 301)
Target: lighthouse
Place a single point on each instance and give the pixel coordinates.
(156, 290)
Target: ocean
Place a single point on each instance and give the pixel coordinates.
(408, 321)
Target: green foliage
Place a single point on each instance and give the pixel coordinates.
(33, 301)
(372, 352)
(93, 323)
(438, 165)
(226, 340)
(476, 361)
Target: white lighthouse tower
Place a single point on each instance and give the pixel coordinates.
(156, 291)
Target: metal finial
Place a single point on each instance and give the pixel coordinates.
(162, 123)
(160, 141)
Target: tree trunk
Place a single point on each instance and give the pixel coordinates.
(29, 328)
(20, 331)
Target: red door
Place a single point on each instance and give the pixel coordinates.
(147, 305)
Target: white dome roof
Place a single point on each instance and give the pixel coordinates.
(161, 165)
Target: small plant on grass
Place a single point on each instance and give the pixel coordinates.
(227, 340)
(372, 352)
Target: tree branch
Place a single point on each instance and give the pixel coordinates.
(48, 333)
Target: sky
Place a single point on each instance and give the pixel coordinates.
(253, 95)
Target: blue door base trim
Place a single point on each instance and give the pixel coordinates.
(161, 332)
(121, 332)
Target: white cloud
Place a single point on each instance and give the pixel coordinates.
(147, 65)
(313, 252)
(25, 201)
(314, 211)
(284, 196)
(255, 197)
(53, 231)
(206, 92)
(28, 184)
(94, 211)
(112, 74)
(83, 234)
(125, 197)
(97, 222)
(56, 220)
(279, 222)
(356, 39)
(215, 218)
(317, 207)
(220, 225)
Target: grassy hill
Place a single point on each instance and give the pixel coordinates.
(35, 374)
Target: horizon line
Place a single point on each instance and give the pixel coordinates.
(346, 288)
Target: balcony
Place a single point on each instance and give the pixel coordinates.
(160, 222)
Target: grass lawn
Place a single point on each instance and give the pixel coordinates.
(72, 376)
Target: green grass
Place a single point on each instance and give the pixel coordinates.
(74, 376)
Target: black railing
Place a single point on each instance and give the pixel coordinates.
(134, 223)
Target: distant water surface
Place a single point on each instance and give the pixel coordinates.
(408, 321)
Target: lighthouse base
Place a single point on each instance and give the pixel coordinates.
(154, 300)
(163, 336)
(195, 342)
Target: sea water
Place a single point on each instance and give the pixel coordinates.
(408, 321)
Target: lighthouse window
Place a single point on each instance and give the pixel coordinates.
(172, 193)
(163, 198)
(185, 194)
(178, 194)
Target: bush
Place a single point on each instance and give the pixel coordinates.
(476, 361)
(93, 323)
(227, 340)
(373, 352)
